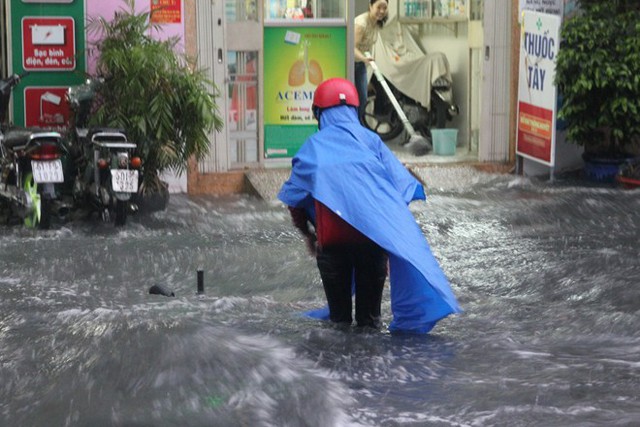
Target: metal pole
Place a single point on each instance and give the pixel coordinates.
(4, 43)
(200, 282)
(519, 165)
(351, 10)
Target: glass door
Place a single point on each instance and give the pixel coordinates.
(244, 45)
(229, 46)
(242, 71)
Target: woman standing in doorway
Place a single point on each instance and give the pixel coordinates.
(366, 32)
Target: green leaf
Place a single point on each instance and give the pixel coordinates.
(165, 107)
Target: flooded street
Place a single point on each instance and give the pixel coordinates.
(546, 273)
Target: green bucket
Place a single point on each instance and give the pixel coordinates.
(444, 141)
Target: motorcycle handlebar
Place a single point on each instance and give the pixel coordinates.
(14, 79)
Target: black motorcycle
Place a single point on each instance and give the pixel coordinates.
(107, 168)
(31, 168)
(382, 118)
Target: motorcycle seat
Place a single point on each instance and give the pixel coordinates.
(17, 137)
(101, 134)
(96, 130)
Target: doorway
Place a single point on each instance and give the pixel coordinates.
(496, 56)
(229, 48)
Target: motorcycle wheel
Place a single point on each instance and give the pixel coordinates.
(121, 213)
(39, 216)
(386, 124)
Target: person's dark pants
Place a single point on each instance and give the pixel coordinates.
(361, 83)
(366, 265)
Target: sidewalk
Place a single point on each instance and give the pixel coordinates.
(434, 171)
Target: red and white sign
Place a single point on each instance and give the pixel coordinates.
(46, 107)
(539, 44)
(166, 11)
(535, 131)
(48, 44)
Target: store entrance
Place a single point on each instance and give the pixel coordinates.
(229, 46)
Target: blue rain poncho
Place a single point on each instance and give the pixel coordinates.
(351, 171)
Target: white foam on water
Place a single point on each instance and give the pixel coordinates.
(531, 354)
(282, 367)
(486, 418)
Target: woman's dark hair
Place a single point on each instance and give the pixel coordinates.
(383, 20)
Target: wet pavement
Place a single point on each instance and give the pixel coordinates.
(546, 274)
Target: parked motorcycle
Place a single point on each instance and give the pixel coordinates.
(31, 168)
(107, 168)
(381, 117)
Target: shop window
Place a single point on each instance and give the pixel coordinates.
(243, 107)
(476, 11)
(304, 9)
(241, 10)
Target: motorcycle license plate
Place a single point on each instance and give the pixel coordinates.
(124, 180)
(45, 172)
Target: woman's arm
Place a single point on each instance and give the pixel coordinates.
(358, 54)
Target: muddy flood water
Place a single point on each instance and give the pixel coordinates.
(547, 275)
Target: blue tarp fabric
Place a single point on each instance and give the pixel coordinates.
(351, 171)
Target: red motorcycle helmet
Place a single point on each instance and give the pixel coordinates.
(333, 92)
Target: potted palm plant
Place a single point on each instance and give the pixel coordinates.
(598, 76)
(166, 106)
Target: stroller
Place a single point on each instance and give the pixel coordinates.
(401, 59)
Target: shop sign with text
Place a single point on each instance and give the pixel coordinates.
(166, 11)
(553, 7)
(46, 107)
(536, 89)
(296, 61)
(48, 44)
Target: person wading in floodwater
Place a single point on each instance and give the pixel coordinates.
(348, 195)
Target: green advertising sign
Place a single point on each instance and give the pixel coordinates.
(296, 60)
(48, 43)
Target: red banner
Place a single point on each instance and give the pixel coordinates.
(166, 11)
(535, 131)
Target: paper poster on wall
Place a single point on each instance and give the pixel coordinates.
(296, 61)
(166, 11)
(537, 92)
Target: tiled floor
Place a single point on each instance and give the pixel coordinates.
(463, 155)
